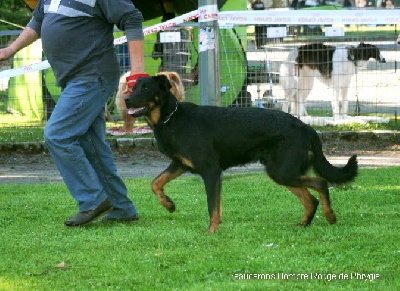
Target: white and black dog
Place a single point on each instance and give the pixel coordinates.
(334, 66)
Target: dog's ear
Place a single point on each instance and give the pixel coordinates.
(352, 53)
(167, 100)
(163, 82)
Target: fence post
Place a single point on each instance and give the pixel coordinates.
(209, 71)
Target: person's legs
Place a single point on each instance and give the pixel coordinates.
(99, 154)
(79, 150)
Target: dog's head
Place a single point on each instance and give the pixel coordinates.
(365, 51)
(151, 97)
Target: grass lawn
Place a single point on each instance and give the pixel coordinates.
(257, 247)
(26, 130)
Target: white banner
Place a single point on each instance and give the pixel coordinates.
(316, 17)
(24, 70)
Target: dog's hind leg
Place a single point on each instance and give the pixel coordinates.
(321, 186)
(212, 183)
(288, 170)
(309, 202)
(173, 171)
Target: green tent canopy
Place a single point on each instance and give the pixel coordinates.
(25, 91)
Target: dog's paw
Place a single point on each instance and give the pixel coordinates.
(170, 205)
(303, 224)
(330, 217)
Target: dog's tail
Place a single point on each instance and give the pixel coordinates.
(324, 169)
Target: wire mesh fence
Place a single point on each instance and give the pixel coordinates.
(372, 88)
(251, 59)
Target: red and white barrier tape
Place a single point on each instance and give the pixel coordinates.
(208, 13)
(230, 18)
(163, 25)
(148, 30)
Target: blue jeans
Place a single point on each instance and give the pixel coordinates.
(75, 137)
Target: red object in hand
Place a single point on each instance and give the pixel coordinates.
(131, 80)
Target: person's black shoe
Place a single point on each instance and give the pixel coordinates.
(107, 219)
(87, 216)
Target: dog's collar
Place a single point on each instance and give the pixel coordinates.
(172, 113)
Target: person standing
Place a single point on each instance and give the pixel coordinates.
(77, 39)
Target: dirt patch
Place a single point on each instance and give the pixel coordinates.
(17, 167)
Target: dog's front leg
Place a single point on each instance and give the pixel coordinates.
(336, 104)
(173, 171)
(345, 102)
(285, 105)
(212, 184)
(305, 84)
(302, 111)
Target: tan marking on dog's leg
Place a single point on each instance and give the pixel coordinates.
(158, 187)
(326, 207)
(216, 216)
(215, 220)
(185, 161)
(216, 211)
(309, 202)
(327, 210)
(320, 185)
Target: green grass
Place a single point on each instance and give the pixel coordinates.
(22, 129)
(164, 251)
(393, 124)
(353, 32)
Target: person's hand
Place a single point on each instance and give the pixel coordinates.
(6, 53)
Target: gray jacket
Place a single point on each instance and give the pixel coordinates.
(77, 36)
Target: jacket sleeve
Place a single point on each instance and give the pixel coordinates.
(37, 18)
(125, 16)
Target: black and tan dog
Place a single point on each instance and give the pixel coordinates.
(206, 140)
